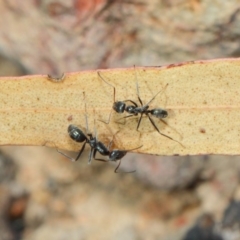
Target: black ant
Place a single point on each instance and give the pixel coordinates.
(96, 146)
(77, 135)
(135, 109)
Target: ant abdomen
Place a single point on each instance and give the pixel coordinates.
(159, 113)
(76, 134)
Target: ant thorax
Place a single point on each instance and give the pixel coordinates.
(132, 109)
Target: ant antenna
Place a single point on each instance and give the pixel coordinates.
(110, 143)
(95, 129)
(124, 152)
(65, 155)
(114, 89)
(119, 153)
(163, 89)
(86, 117)
(136, 80)
(114, 94)
(116, 169)
(137, 86)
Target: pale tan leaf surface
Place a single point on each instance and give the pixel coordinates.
(202, 99)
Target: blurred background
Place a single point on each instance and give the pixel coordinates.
(45, 196)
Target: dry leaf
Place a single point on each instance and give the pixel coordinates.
(202, 99)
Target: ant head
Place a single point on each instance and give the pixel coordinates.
(159, 113)
(119, 106)
(116, 155)
(76, 134)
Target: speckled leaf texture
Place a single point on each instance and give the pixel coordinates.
(202, 99)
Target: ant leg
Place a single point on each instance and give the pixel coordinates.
(81, 151)
(139, 121)
(170, 127)
(132, 115)
(154, 125)
(156, 128)
(108, 118)
(98, 159)
(163, 122)
(78, 156)
(91, 155)
(124, 117)
(119, 166)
